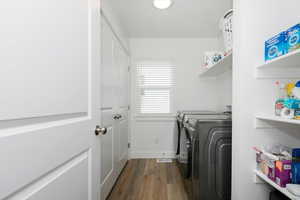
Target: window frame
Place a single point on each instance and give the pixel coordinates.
(137, 88)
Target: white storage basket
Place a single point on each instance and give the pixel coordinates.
(227, 30)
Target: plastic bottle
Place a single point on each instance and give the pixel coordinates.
(280, 98)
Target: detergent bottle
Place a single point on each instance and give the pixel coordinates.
(279, 103)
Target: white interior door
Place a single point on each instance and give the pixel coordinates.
(108, 174)
(114, 109)
(48, 105)
(123, 107)
(109, 145)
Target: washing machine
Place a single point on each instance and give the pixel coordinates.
(182, 140)
(210, 152)
(180, 116)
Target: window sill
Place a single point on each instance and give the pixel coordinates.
(168, 117)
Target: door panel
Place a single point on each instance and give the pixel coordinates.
(49, 92)
(38, 158)
(108, 69)
(117, 60)
(107, 151)
(124, 82)
(75, 171)
(39, 36)
(123, 124)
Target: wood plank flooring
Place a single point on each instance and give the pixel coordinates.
(149, 180)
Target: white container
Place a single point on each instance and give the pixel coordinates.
(212, 57)
(226, 27)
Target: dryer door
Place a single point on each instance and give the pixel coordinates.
(219, 165)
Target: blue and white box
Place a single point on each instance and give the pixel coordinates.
(276, 46)
(293, 38)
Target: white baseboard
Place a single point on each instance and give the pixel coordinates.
(143, 155)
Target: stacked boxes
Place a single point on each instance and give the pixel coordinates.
(276, 163)
(283, 43)
(280, 164)
(280, 172)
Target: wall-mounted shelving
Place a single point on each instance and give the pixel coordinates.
(262, 119)
(289, 60)
(274, 185)
(219, 68)
(286, 66)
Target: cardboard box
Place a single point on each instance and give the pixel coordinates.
(293, 38)
(276, 46)
(283, 172)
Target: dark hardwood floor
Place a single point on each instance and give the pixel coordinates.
(149, 180)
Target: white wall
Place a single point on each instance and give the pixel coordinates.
(254, 22)
(224, 81)
(224, 90)
(156, 138)
(152, 138)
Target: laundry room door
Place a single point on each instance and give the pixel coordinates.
(123, 106)
(108, 90)
(50, 88)
(114, 108)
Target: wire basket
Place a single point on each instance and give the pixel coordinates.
(226, 27)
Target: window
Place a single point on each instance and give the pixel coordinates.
(155, 88)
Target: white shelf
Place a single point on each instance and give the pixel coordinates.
(289, 60)
(219, 68)
(277, 187)
(286, 66)
(277, 119)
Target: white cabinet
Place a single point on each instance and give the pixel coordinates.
(114, 108)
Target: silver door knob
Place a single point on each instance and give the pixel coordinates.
(100, 130)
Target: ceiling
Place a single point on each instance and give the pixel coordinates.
(185, 18)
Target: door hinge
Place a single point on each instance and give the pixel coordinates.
(128, 107)
(129, 68)
(128, 145)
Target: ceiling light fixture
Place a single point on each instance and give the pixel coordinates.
(162, 4)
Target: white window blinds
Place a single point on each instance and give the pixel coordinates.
(155, 88)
